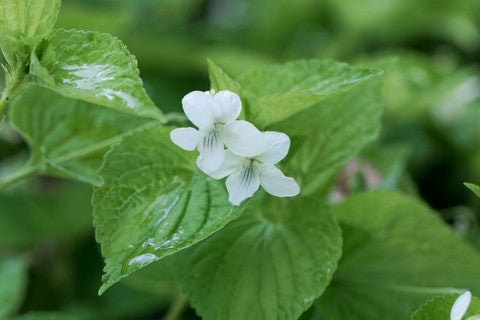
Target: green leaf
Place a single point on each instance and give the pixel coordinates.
(94, 67)
(23, 25)
(13, 282)
(219, 80)
(440, 307)
(278, 92)
(15, 53)
(67, 137)
(395, 258)
(331, 133)
(150, 206)
(272, 263)
(29, 18)
(473, 187)
(57, 213)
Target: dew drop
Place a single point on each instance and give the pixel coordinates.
(142, 260)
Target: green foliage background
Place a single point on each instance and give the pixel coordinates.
(404, 211)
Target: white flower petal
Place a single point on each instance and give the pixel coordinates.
(211, 152)
(185, 138)
(460, 306)
(227, 106)
(231, 164)
(276, 183)
(242, 185)
(278, 144)
(243, 139)
(198, 106)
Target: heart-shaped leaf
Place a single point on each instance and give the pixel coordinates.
(152, 204)
(272, 263)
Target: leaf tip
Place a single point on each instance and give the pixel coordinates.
(473, 187)
(104, 288)
(211, 65)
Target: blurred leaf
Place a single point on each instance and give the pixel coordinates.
(67, 137)
(377, 167)
(473, 187)
(79, 15)
(186, 55)
(384, 22)
(397, 253)
(390, 161)
(457, 114)
(151, 206)
(31, 218)
(13, 283)
(158, 278)
(143, 295)
(94, 67)
(465, 222)
(48, 316)
(331, 133)
(29, 18)
(278, 92)
(415, 84)
(440, 307)
(272, 263)
(383, 167)
(145, 292)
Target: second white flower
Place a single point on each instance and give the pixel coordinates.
(246, 175)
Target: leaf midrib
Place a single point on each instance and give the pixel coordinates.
(37, 163)
(97, 146)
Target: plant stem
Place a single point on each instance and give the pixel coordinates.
(16, 176)
(177, 307)
(14, 83)
(4, 101)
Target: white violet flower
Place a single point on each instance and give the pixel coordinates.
(215, 116)
(460, 306)
(247, 174)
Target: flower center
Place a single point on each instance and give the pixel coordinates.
(210, 138)
(248, 174)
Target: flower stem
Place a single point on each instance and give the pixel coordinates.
(177, 307)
